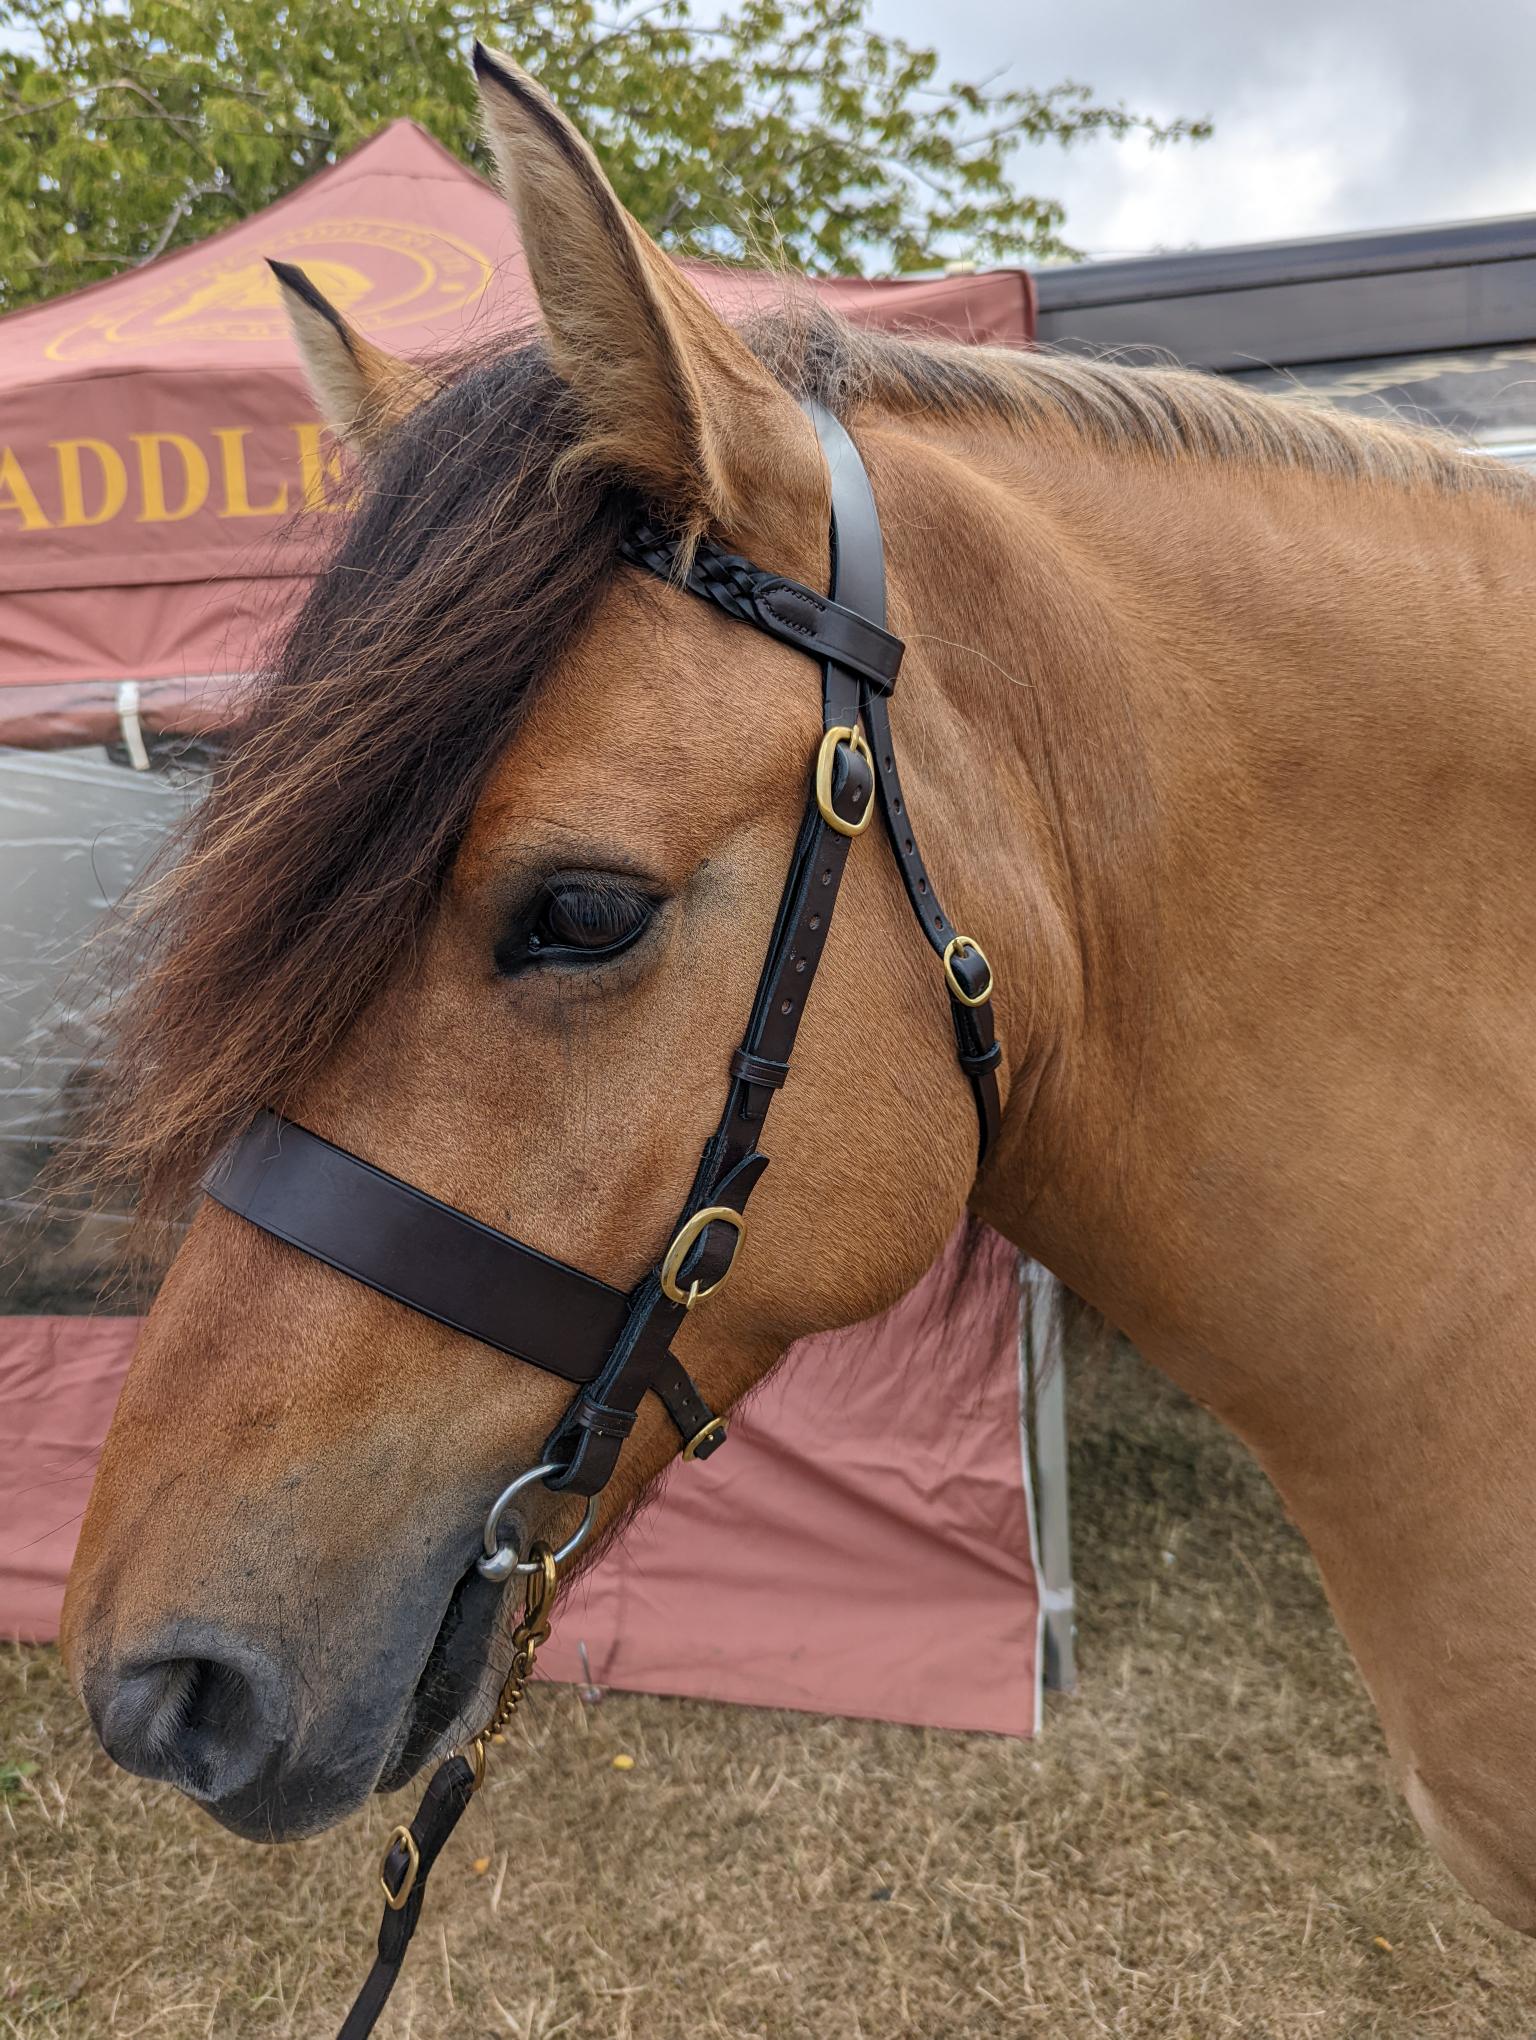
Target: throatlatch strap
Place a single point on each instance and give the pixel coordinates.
(977, 1049)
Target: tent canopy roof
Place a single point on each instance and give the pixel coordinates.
(164, 479)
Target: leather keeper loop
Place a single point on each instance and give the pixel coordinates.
(978, 1065)
(602, 1419)
(758, 1069)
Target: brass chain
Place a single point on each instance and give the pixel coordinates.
(530, 1633)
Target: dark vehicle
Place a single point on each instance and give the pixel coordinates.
(1435, 323)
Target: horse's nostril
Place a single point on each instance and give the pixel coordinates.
(203, 1724)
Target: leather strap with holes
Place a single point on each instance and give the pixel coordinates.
(616, 1347)
(587, 1439)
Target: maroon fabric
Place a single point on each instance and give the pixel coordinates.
(862, 1545)
(165, 488)
(59, 1379)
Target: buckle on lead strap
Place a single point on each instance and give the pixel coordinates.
(395, 1900)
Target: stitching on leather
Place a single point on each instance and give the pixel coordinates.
(742, 590)
(787, 618)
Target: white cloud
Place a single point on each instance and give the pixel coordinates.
(1280, 164)
(1331, 115)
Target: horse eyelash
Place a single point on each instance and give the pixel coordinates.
(519, 947)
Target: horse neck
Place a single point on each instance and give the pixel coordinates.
(1273, 1101)
(1267, 950)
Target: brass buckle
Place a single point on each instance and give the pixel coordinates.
(715, 1428)
(474, 1756)
(964, 942)
(396, 1899)
(826, 758)
(688, 1233)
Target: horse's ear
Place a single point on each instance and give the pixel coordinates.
(673, 398)
(363, 393)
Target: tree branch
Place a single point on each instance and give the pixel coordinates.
(215, 188)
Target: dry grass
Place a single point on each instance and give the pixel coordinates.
(1202, 1843)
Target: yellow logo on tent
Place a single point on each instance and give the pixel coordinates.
(389, 273)
(253, 288)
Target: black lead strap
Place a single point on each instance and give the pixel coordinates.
(414, 1849)
(407, 1866)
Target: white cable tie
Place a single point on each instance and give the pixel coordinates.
(132, 728)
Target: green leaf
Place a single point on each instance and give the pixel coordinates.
(11, 1775)
(789, 127)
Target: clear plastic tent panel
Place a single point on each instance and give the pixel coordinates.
(74, 829)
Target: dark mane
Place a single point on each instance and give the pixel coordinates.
(307, 871)
(478, 552)
(475, 557)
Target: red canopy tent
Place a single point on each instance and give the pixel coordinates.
(163, 476)
(163, 483)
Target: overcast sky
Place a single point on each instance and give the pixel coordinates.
(1331, 115)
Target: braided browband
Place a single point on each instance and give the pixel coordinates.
(784, 609)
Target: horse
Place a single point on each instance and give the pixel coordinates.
(1218, 716)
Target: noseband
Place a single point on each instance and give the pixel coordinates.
(615, 1346)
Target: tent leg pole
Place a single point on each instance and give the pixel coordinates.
(1045, 1381)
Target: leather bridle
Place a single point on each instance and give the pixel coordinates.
(615, 1346)
(612, 1345)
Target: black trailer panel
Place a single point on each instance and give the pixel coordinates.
(1285, 304)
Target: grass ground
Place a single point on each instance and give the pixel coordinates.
(1202, 1843)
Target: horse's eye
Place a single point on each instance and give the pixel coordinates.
(582, 920)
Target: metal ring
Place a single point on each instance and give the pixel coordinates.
(501, 1560)
(966, 998)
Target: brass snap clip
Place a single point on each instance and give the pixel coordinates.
(533, 1630)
